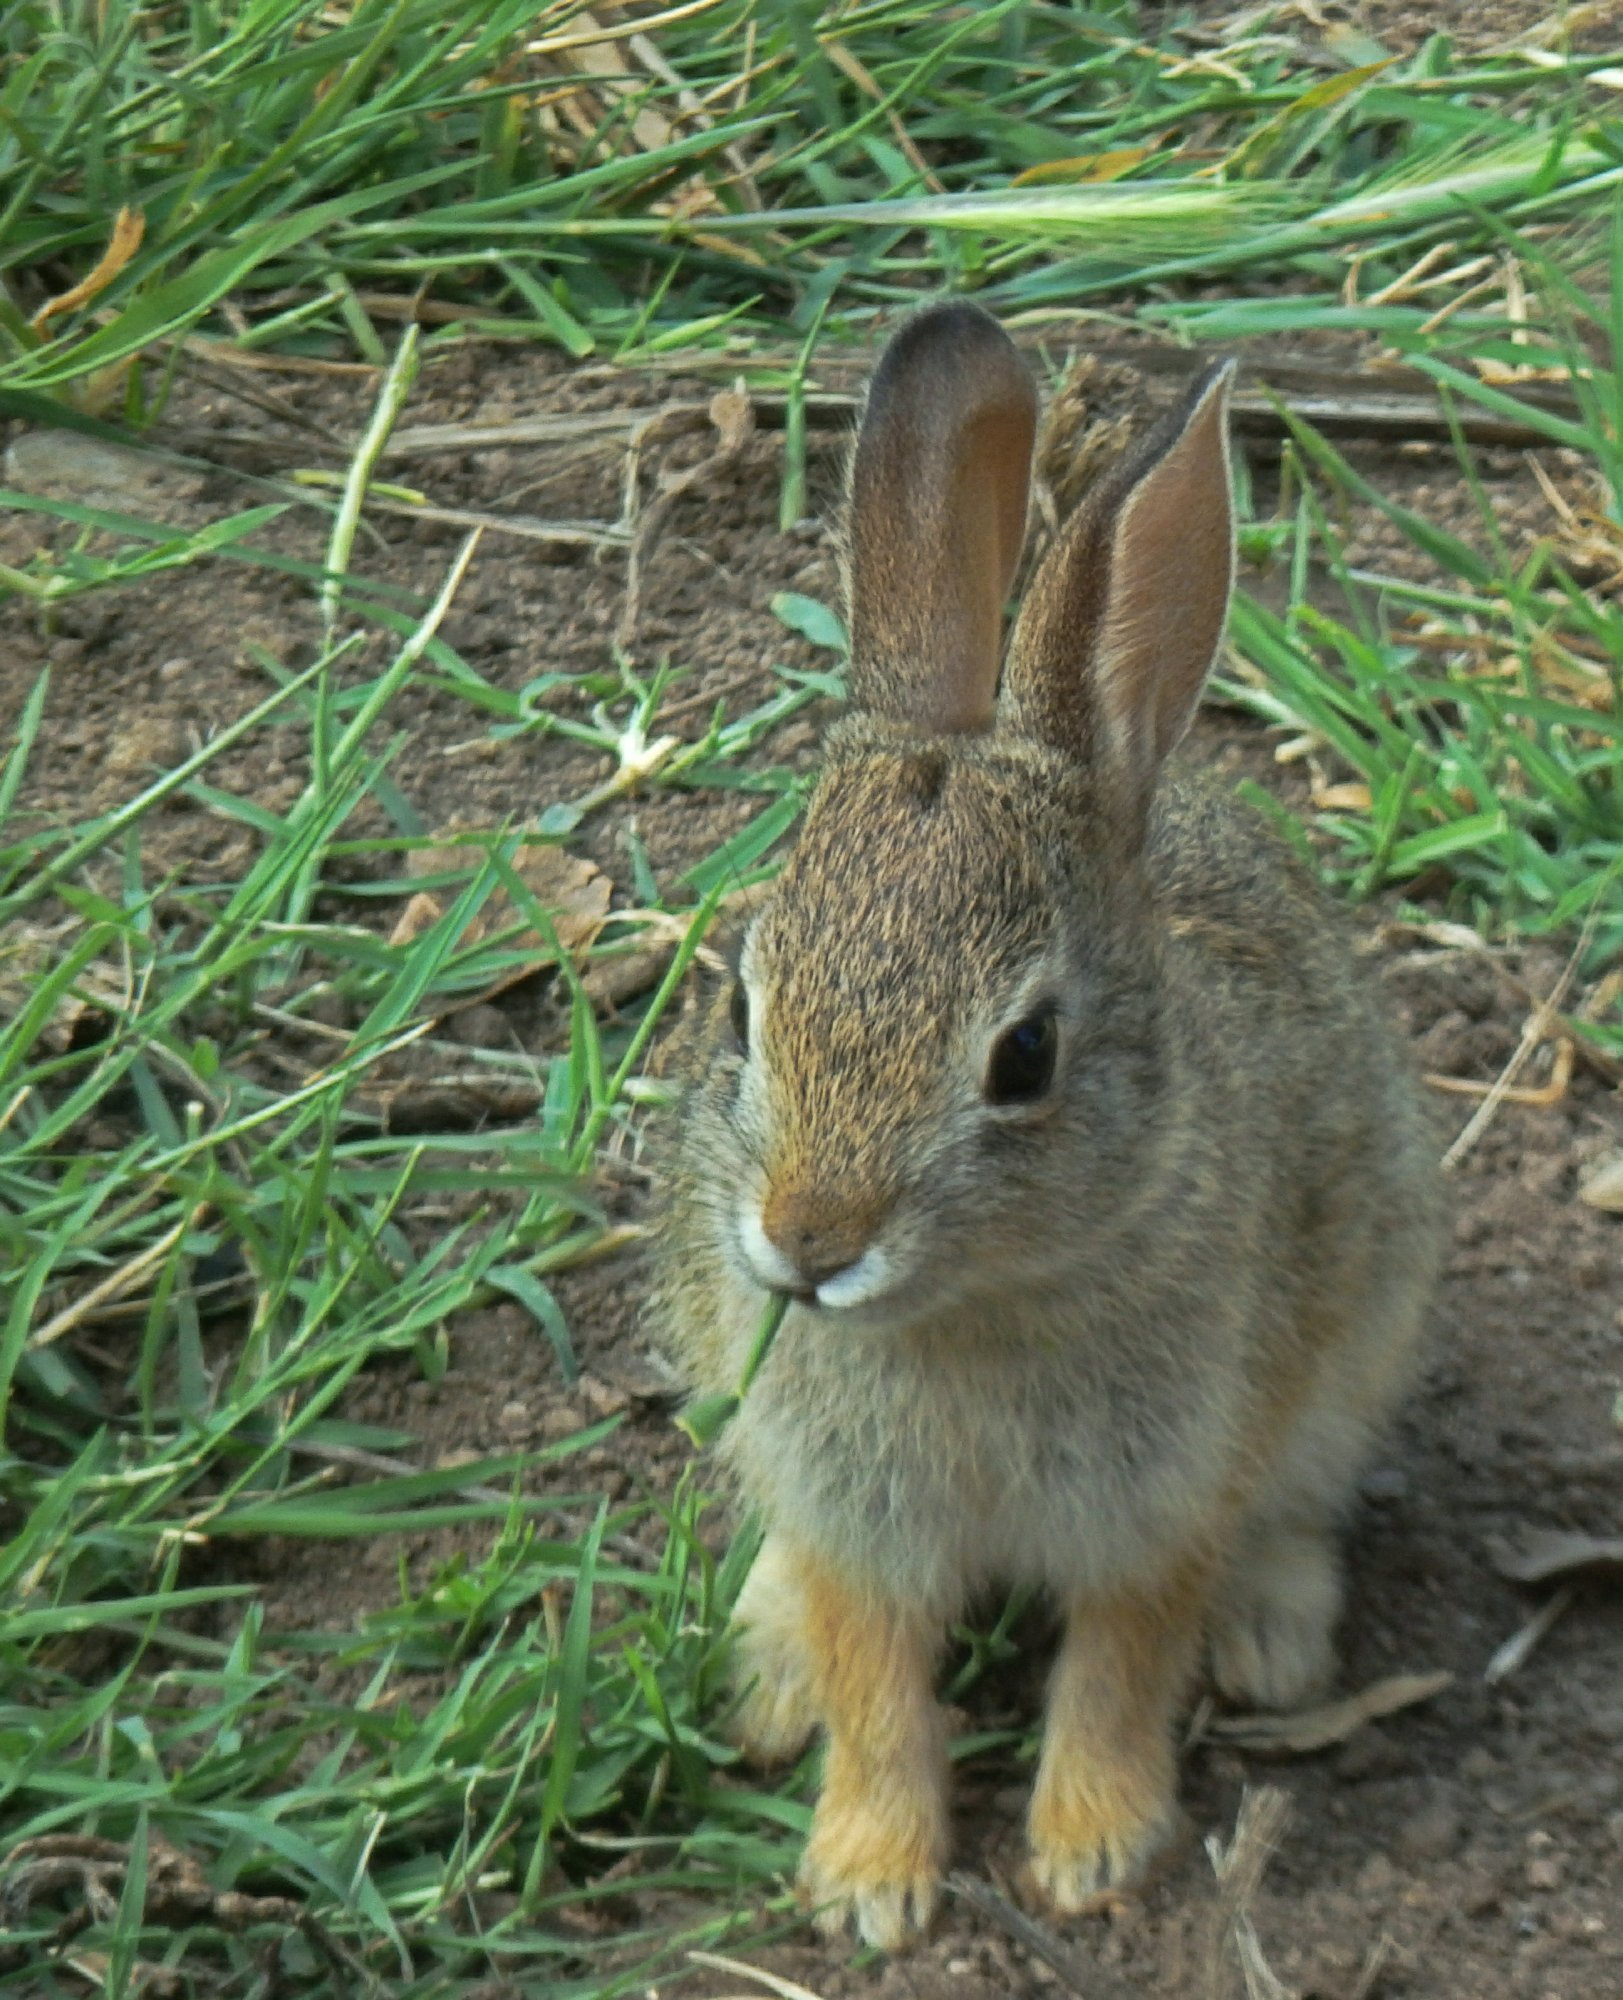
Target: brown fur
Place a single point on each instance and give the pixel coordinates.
(1128, 1340)
(881, 1828)
(1103, 1801)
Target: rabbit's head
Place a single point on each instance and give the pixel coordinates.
(943, 1059)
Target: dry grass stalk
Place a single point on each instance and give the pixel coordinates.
(785, 1989)
(1539, 1097)
(1239, 1869)
(116, 1283)
(849, 65)
(1033, 1936)
(1376, 1960)
(1516, 1649)
(1538, 1029)
(733, 415)
(1308, 1730)
(1545, 1554)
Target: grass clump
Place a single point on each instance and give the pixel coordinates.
(212, 1223)
(1476, 700)
(202, 1255)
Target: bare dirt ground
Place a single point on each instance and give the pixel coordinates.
(1468, 1847)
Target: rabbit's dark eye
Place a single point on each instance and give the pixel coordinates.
(1022, 1065)
(739, 1014)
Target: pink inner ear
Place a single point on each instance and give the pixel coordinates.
(1170, 569)
(983, 532)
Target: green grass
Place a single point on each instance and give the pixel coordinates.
(778, 161)
(1482, 708)
(250, 1248)
(202, 1252)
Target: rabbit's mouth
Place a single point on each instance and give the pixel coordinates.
(832, 1283)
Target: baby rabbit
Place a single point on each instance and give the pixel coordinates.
(1052, 1095)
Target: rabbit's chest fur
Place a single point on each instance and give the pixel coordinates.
(994, 1449)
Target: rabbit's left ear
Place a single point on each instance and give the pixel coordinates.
(938, 519)
(1123, 620)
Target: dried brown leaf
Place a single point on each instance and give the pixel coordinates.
(574, 893)
(610, 982)
(1518, 1648)
(1543, 1554)
(129, 226)
(1602, 1187)
(1352, 796)
(1239, 1868)
(733, 415)
(607, 65)
(421, 913)
(1310, 1729)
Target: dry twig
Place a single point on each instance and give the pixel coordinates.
(1036, 1937)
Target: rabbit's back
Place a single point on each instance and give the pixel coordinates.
(1274, 1000)
(1280, 1002)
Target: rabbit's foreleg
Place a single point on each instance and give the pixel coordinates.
(879, 1835)
(1106, 1792)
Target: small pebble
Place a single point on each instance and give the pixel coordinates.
(482, 1027)
(1545, 1867)
(1480, 1892)
(1386, 1482)
(560, 1422)
(602, 1398)
(514, 1421)
(1430, 1834)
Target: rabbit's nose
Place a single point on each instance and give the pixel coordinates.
(811, 1239)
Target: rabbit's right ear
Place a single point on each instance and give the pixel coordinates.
(1123, 620)
(939, 488)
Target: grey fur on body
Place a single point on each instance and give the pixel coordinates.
(1075, 1376)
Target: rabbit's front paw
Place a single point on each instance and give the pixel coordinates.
(875, 1868)
(1096, 1834)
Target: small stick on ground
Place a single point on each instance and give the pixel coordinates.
(1043, 1943)
(740, 1968)
(1536, 1096)
(1379, 1957)
(1538, 1029)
